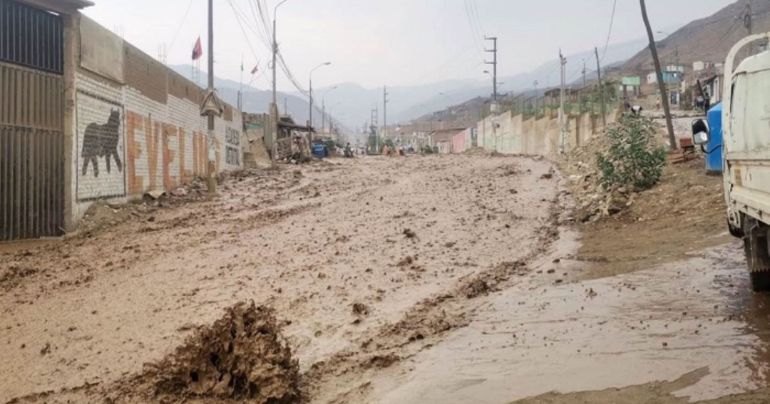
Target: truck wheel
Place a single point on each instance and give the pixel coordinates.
(760, 281)
(757, 256)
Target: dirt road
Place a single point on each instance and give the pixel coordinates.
(420, 279)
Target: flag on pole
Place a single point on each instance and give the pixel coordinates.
(197, 50)
(254, 70)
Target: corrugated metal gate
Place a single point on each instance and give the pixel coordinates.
(31, 122)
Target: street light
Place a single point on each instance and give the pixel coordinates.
(274, 105)
(310, 117)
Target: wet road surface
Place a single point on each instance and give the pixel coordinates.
(425, 279)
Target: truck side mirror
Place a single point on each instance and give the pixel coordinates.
(700, 132)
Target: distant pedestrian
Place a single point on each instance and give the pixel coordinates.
(706, 101)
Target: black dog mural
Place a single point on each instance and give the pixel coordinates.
(101, 140)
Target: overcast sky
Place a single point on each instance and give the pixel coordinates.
(391, 42)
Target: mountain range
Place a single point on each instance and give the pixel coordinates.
(351, 105)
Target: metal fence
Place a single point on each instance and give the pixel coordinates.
(31, 123)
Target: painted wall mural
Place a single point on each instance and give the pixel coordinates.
(100, 165)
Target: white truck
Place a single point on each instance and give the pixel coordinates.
(746, 154)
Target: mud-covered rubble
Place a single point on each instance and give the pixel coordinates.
(241, 356)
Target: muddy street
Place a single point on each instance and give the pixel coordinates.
(457, 278)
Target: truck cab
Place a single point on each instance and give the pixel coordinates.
(746, 155)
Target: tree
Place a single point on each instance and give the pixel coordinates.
(633, 158)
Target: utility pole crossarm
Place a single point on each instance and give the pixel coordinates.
(493, 51)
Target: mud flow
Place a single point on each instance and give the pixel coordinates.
(451, 279)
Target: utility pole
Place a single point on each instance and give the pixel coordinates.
(211, 180)
(601, 85)
(747, 23)
(562, 124)
(373, 129)
(323, 114)
(285, 106)
(274, 104)
(494, 65)
(584, 73)
(659, 74)
(384, 111)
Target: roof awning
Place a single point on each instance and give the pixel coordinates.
(60, 6)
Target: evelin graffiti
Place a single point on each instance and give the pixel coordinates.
(157, 154)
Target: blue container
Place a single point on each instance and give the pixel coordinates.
(714, 146)
(320, 151)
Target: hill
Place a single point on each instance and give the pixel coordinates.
(707, 39)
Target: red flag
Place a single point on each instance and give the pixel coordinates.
(254, 70)
(197, 50)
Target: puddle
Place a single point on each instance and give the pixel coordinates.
(637, 328)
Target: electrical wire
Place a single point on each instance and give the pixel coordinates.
(609, 32)
(181, 24)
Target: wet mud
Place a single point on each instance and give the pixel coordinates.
(406, 280)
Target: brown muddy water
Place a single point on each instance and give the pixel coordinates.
(649, 326)
(390, 280)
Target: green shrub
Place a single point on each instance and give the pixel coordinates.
(633, 159)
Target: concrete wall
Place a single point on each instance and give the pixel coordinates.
(461, 141)
(509, 134)
(137, 127)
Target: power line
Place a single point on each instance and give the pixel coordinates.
(238, 18)
(609, 32)
(181, 24)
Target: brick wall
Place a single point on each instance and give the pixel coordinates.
(147, 129)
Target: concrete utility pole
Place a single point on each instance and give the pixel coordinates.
(323, 114)
(659, 74)
(384, 111)
(494, 65)
(584, 73)
(601, 87)
(274, 104)
(562, 123)
(375, 115)
(310, 114)
(211, 180)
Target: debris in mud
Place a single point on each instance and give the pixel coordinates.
(406, 261)
(409, 233)
(360, 309)
(241, 356)
(475, 288)
(509, 170)
(383, 361)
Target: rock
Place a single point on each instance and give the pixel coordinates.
(179, 192)
(154, 194)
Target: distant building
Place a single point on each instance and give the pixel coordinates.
(443, 139)
(629, 86)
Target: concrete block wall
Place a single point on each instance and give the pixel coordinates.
(142, 131)
(514, 134)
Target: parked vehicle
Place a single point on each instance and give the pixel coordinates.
(746, 155)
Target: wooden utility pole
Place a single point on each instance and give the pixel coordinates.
(601, 87)
(659, 74)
